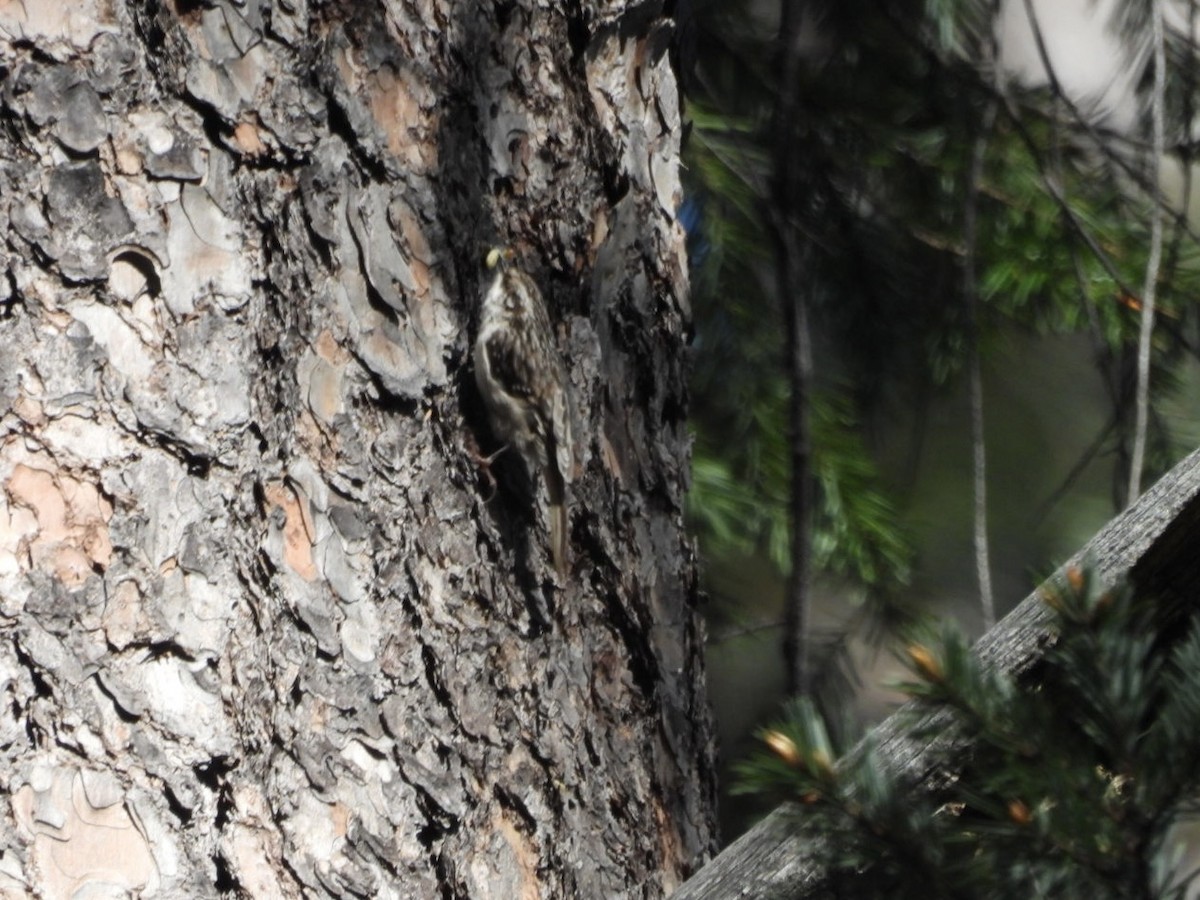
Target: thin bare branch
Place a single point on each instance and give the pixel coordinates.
(971, 295)
(1152, 264)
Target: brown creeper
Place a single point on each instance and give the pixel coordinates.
(524, 386)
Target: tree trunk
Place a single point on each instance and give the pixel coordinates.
(795, 282)
(264, 628)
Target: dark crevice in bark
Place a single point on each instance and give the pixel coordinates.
(73, 749)
(153, 34)
(196, 464)
(577, 30)
(159, 649)
(615, 181)
(373, 752)
(225, 806)
(150, 31)
(321, 247)
(465, 218)
(125, 715)
(272, 357)
(323, 655)
(14, 296)
(438, 822)
(225, 881)
(339, 884)
(552, 797)
(41, 687)
(504, 13)
(34, 732)
(386, 400)
(263, 444)
(303, 627)
(178, 810)
(643, 664)
(590, 747)
(190, 8)
(434, 679)
(253, 595)
(372, 848)
(376, 301)
(35, 254)
(446, 881)
(340, 126)
(285, 858)
(527, 822)
(589, 541)
(212, 774)
(267, 568)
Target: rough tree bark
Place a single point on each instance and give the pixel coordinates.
(261, 628)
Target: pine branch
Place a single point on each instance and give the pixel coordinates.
(1104, 139)
(1151, 543)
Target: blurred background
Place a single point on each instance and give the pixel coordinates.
(925, 238)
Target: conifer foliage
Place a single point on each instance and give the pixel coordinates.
(1082, 767)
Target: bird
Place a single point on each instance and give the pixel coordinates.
(522, 380)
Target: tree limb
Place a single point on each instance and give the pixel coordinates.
(1147, 325)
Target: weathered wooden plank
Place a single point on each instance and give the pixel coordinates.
(1155, 543)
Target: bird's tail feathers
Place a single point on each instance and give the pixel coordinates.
(558, 517)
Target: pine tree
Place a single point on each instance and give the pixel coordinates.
(944, 205)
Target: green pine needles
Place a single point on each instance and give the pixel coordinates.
(1070, 780)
